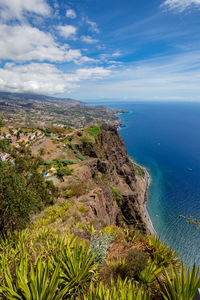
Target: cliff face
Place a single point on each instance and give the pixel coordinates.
(117, 186)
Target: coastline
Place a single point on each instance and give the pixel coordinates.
(144, 204)
(146, 215)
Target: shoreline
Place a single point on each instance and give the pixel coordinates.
(148, 179)
(144, 204)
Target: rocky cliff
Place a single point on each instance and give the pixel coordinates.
(116, 186)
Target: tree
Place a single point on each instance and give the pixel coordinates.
(1, 123)
(23, 191)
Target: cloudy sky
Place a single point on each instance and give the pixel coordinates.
(101, 49)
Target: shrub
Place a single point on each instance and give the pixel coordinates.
(131, 267)
(99, 246)
(180, 286)
(161, 253)
(117, 196)
(33, 284)
(122, 290)
(78, 268)
(77, 189)
(86, 140)
(77, 153)
(80, 156)
(139, 171)
(68, 194)
(82, 209)
(64, 171)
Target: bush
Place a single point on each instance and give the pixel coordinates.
(64, 171)
(131, 267)
(77, 189)
(86, 140)
(117, 196)
(22, 195)
(162, 254)
(183, 285)
(139, 171)
(99, 246)
(136, 261)
(77, 153)
(121, 290)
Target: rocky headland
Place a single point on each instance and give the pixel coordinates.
(117, 186)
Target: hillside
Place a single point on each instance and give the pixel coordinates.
(31, 110)
(87, 238)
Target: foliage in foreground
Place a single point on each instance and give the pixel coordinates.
(180, 286)
(40, 264)
(121, 290)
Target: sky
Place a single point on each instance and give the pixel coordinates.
(101, 49)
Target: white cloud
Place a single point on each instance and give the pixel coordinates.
(166, 78)
(92, 25)
(180, 5)
(93, 73)
(17, 9)
(23, 43)
(44, 78)
(67, 31)
(70, 13)
(116, 54)
(88, 39)
(35, 77)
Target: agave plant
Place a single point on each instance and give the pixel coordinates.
(150, 274)
(122, 290)
(77, 267)
(34, 284)
(162, 254)
(180, 286)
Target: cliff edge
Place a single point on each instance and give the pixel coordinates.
(117, 186)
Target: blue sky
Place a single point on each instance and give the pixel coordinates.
(101, 49)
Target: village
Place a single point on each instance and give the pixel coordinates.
(57, 147)
(17, 138)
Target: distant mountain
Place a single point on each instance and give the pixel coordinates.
(31, 98)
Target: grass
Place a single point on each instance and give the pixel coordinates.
(77, 153)
(93, 130)
(86, 140)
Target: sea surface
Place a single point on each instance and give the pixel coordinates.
(165, 138)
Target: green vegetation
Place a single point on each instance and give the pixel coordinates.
(75, 189)
(46, 261)
(65, 162)
(5, 145)
(192, 220)
(183, 285)
(139, 171)
(116, 196)
(44, 264)
(1, 123)
(134, 263)
(23, 191)
(86, 140)
(67, 253)
(64, 171)
(161, 253)
(77, 153)
(99, 245)
(94, 130)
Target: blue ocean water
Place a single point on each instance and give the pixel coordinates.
(165, 138)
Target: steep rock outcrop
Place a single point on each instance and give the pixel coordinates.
(121, 192)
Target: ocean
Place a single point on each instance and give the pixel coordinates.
(165, 138)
